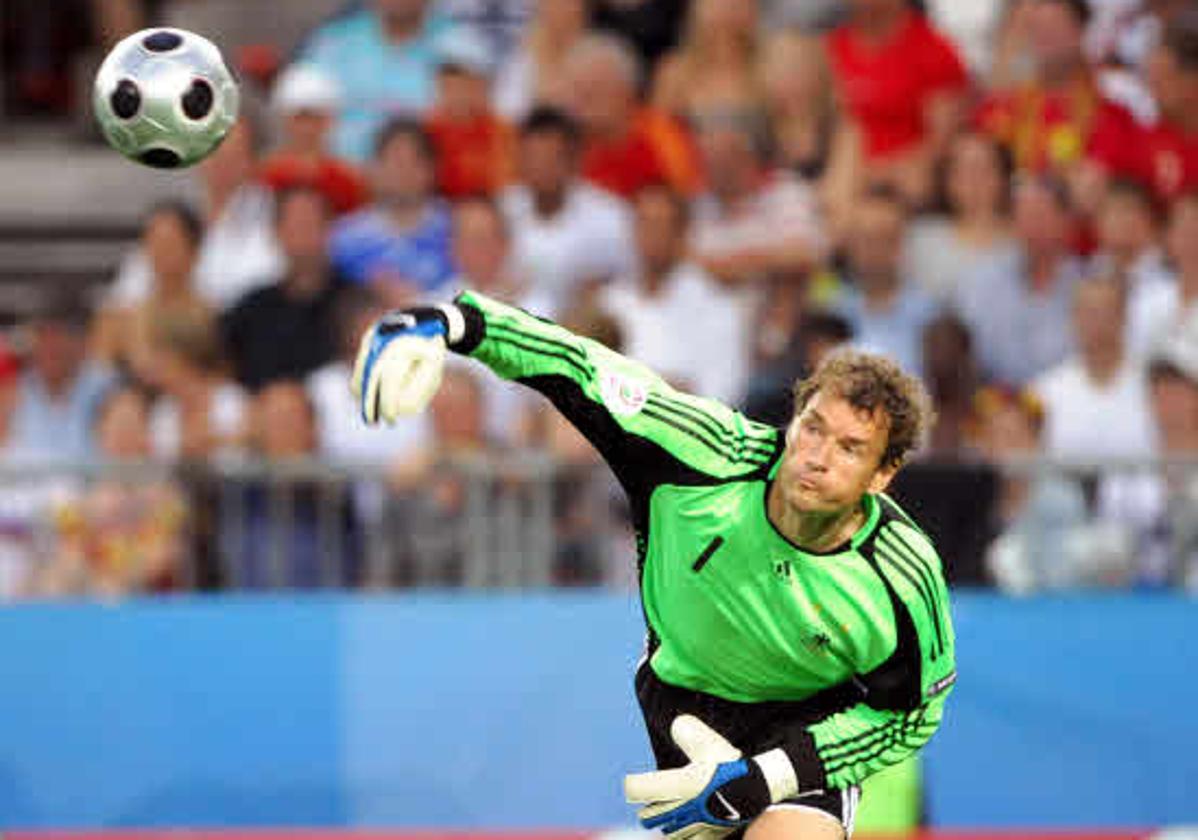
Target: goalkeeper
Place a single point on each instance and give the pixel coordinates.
(799, 636)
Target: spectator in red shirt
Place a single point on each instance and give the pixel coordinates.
(625, 146)
(1164, 156)
(474, 146)
(1048, 122)
(307, 102)
(902, 83)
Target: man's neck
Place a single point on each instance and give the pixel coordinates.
(882, 294)
(58, 389)
(1187, 285)
(879, 25)
(816, 532)
(401, 29)
(653, 278)
(1042, 269)
(546, 205)
(734, 195)
(406, 213)
(1185, 118)
(1062, 74)
(306, 280)
(1103, 367)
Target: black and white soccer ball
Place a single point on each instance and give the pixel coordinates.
(165, 98)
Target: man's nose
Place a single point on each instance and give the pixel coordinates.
(816, 456)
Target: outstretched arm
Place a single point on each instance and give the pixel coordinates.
(644, 429)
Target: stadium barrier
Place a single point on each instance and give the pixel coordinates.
(514, 713)
(521, 520)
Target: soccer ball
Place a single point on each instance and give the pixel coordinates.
(165, 98)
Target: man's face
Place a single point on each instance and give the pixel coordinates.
(1173, 87)
(546, 162)
(876, 242)
(1175, 405)
(480, 243)
(833, 456)
(659, 230)
(1098, 315)
(1125, 226)
(875, 7)
(57, 351)
(1183, 234)
(1055, 34)
(305, 130)
(1040, 222)
(302, 226)
(462, 94)
(402, 171)
(728, 156)
(599, 95)
(404, 12)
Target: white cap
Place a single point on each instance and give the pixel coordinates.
(463, 47)
(305, 87)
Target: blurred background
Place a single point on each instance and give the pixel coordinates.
(226, 604)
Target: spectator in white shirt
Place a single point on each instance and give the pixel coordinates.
(1129, 244)
(1017, 304)
(941, 251)
(887, 313)
(1167, 307)
(757, 228)
(1161, 508)
(567, 235)
(1096, 401)
(667, 292)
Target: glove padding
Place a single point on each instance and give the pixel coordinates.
(399, 363)
(697, 802)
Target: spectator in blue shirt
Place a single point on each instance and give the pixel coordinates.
(382, 57)
(57, 395)
(1017, 304)
(886, 312)
(400, 248)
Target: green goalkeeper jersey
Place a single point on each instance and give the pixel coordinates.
(733, 608)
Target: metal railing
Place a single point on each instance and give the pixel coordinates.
(496, 522)
(523, 520)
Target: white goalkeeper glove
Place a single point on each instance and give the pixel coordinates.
(400, 358)
(718, 792)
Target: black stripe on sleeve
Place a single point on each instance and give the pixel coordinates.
(894, 548)
(900, 565)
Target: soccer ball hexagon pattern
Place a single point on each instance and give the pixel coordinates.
(165, 98)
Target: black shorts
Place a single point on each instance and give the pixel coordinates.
(752, 727)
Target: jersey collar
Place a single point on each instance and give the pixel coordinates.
(873, 513)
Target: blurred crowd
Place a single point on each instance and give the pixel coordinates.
(1001, 194)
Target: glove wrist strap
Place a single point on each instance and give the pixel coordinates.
(455, 323)
(779, 774)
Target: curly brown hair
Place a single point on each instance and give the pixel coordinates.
(871, 383)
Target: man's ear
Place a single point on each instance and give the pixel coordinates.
(882, 478)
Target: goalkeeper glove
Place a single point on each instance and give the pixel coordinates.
(400, 358)
(718, 792)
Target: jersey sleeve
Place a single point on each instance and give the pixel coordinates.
(905, 696)
(646, 431)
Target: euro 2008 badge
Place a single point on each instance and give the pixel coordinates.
(623, 396)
